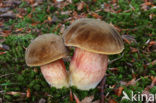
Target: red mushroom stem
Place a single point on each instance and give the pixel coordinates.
(55, 74)
(87, 69)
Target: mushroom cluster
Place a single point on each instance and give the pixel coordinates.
(93, 41)
(47, 51)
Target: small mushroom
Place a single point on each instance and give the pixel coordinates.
(47, 51)
(93, 41)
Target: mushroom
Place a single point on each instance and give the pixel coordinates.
(93, 41)
(47, 51)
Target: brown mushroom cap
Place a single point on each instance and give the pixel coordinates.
(94, 35)
(45, 49)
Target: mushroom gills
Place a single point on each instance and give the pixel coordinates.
(55, 74)
(87, 69)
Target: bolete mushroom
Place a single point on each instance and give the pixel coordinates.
(47, 51)
(94, 40)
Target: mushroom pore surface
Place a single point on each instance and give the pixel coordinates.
(55, 74)
(87, 69)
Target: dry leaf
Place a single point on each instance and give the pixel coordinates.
(76, 98)
(118, 91)
(16, 93)
(5, 33)
(152, 63)
(88, 99)
(71, 96)
(115, 1)
(133, 50)
(112, 101)
(128, 39)
(2, 53)
(28, 93)
(62, 28)
(42, 100)
(85, 100)
(80, 6)
(152, 42)
(95, 15)
(49, 18)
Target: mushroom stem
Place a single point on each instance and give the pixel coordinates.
(87, 69)
(55, 74)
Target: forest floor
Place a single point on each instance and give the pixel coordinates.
(133, 71)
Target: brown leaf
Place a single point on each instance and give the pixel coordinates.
(95, 15)
(42, 100)
(80, 6)
(16, 93)
(5, 33)
(94, 0)
(28, 93)
(76, 98)
(152, 63)
(131, 82)
(70, 1)
(71, 96)
(151, 16)
(133, 50)
(2, 53)
(49, 18)
(112, 101)
(19, 29)
(152, 42)
(62, 28)
(88, 99)
(118, 91)
(128, 39)
(115, 1)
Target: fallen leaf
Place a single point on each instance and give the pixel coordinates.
(2, 53)
(112, 101)
(85, 100)
(5, 33)
(16, 93)
(133, 50)
(152, 42)
(42, 100)
(115, 1)
(8, 14)
(95, 15)
(88, 99)
(152, 63)
(128, 39)
(71, 96)
(131, 82)
(49, 18)
(118, 91)
(28, 93)
(80, 6)
(76, 98)
(70, 1)
(19, 29)
(151, 16)
(62, 29)
(66, 12)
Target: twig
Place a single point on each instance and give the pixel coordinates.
(6, 75)
(110, 62)
(102, 89)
